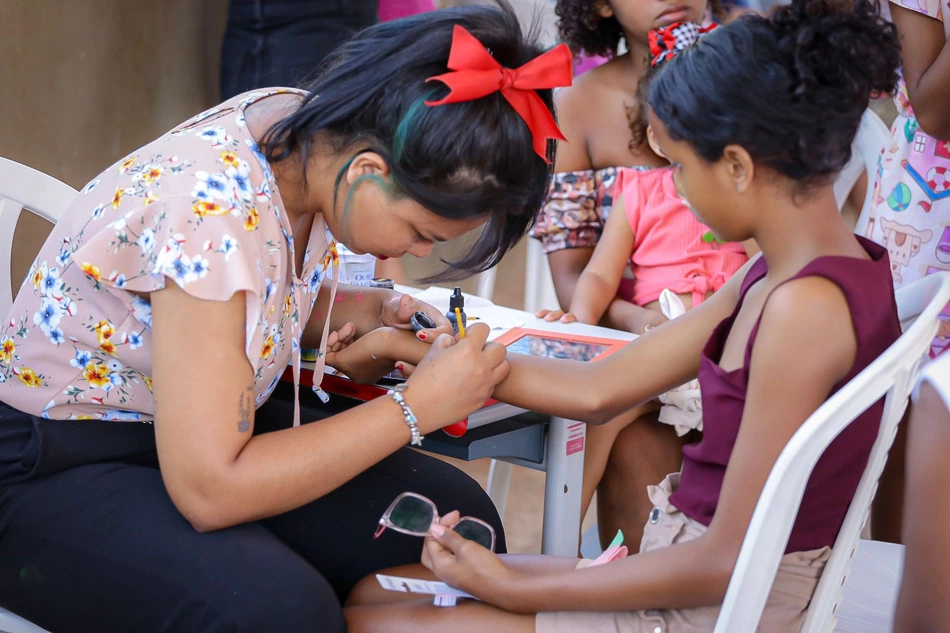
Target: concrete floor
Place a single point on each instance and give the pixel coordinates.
(525, 505)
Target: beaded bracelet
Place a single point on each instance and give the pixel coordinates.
(407, 414)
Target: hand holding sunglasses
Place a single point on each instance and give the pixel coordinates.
(414, 514)
(461, 564)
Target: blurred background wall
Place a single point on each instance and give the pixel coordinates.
(85, 82)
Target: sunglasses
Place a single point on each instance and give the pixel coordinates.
(414, 514)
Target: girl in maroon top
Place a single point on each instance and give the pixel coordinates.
(788, 330)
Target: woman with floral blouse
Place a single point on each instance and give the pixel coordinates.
(146, 484)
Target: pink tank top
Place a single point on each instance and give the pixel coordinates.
(869, 291)
(671, 248)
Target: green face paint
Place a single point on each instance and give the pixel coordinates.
(388, 187)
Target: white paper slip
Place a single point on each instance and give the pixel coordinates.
(439, 297)
(415, 585)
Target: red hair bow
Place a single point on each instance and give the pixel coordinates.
(475, 74)
(668, 41)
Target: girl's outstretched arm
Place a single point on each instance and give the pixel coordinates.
(805, 345)
(654, 363)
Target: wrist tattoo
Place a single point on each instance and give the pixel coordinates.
(245, 410)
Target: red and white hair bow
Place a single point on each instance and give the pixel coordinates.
(669, 41)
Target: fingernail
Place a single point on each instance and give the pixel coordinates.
(423, 336)
(400, 367)
(437, 530)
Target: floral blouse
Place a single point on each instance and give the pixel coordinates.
(200, 207)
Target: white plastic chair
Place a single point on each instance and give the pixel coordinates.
(866, 149)
(23, 187)
(539, 284)
(891, 376)
(869, 597)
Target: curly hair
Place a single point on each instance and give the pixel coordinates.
(583, 29)
(791, 89)
(637, 111)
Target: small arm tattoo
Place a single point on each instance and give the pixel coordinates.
(245, 410)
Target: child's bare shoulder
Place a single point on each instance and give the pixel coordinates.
(610, 81)
(814, 306)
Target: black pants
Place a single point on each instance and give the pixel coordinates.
(284, 42)
(101, 548)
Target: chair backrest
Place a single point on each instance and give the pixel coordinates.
(485, 283)
(866, 150)
(23, 187)
(892, 377)
(538, 284)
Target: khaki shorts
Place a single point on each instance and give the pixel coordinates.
(791, 593)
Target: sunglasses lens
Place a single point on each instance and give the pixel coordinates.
(474, 531)
(412, 514)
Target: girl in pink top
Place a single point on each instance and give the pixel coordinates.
(666, 247)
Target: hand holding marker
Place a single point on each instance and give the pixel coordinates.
(456, 315)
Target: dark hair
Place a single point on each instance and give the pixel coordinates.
(460, 161)
(637, 112)
(790, 89)
(583, 29)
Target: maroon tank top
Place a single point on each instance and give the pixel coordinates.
(868, 289)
